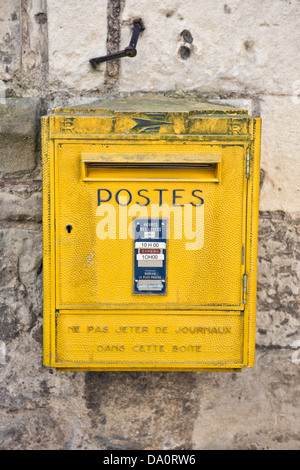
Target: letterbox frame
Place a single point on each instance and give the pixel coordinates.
(148, 119)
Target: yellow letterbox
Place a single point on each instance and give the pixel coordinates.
(150, 236)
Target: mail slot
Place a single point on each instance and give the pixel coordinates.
(150, 214)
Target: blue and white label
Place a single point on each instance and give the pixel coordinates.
(150, 244)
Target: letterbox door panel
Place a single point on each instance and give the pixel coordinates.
(199, 189)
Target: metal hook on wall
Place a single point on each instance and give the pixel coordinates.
(129, 51)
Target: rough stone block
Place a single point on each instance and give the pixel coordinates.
(278, 306)
(9, 10)
(17, 208)
(280, 154)
(213, 46)
(20, 289)
(10, 44)
(254, 410)
(77, 33)
(34, 40)
(28, 419)
(18, 134)
(19, 116)
(22, 256)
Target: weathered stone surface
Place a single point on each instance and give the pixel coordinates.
(231, 48)
(23, 41)
(19, 116)
(22, 207)
(161, 398)
(280, 154)
(10, 44)
(9, 10)
(21, 281)
(278, 300)
(34, 35)
(77, 33)
(39, 409)
(253, 410)
(17, 153)
(27, 247)
(18, 134)
(256, 409)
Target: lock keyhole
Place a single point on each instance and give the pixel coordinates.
(69, 228)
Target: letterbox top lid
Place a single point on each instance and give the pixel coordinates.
(150, 104)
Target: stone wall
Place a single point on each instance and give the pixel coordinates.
(242, 52)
